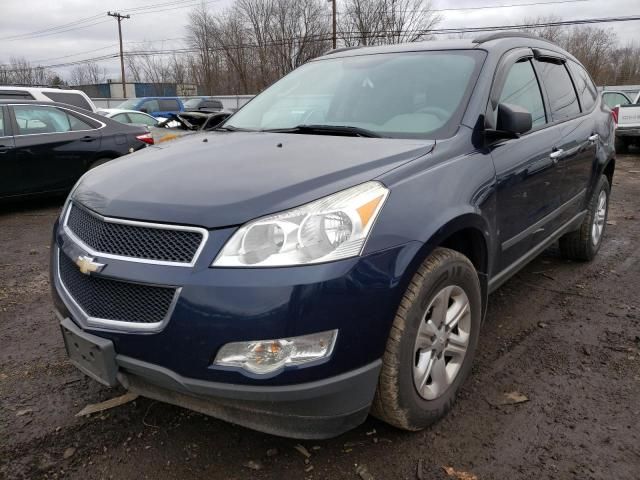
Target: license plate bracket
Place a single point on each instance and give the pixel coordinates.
(93, 355)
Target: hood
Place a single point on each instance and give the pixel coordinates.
(222, 179)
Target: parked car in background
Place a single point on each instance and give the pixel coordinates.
(612, 98)
(45, 147)
(328, 251)
(76, 98)
(202, 104)
(154, 106)
(627, 118)
(133, 117)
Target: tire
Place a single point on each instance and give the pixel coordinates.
(622, 145)
(100, 161)
(583, 244)
(397, 400)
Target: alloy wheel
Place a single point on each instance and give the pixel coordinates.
(442, 342)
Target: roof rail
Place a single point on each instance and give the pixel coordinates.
(498, 35)
(342, 49)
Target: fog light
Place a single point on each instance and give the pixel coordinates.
(268, 356)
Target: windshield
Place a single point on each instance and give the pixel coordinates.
(129, 104)
(404, 95)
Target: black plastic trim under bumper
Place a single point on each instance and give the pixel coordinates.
(320, 409)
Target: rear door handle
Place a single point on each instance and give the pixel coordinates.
(4, 149)
(594, 138)
(88, 138)
(556, 154)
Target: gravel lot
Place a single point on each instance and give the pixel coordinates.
(565, 337)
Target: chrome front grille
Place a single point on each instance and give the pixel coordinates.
(140, 241)
(112, 300)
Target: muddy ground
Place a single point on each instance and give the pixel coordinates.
(563, 335)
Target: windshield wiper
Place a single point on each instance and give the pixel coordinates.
(328, 129)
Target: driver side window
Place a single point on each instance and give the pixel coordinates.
(521, 88)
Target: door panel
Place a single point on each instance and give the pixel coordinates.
(525, 168)
(577, 161)
(9, 171)
(576, 145)
(526, 178)
(52, 148)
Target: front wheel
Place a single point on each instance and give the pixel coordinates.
(432, 342)
(584, 243)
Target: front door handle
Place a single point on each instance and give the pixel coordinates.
(4, 149)
(556, 154)
(594, 138)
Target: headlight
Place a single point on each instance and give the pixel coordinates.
(263, 357)
(332, 228)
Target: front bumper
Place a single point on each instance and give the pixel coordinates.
(320, 409)
(217, 306)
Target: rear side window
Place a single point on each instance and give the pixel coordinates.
(140, 119)
(559, 87)
(521, 88)
(169, 105)
(69, 98)
(37, 119)
(586, 89)
(121, 117)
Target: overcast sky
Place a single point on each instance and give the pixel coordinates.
(164, 26)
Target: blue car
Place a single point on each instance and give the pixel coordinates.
(328, 252)
(154, 106)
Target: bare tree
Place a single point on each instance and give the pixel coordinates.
(203, 65)
(20, 71)
(593, 46)
(552, 33)
(89, 73)
(299, 32)
(374, 22)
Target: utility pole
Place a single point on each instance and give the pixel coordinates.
(119, 17)
(333, 7)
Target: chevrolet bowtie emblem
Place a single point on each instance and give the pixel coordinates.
(87, 265)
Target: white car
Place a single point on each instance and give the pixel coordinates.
(76, 98)
(130, 116)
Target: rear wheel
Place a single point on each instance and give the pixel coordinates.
(584, 243)
(432, 342)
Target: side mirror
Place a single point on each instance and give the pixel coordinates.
(144, 110)
(513, 120)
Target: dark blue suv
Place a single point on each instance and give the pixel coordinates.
(328, 252)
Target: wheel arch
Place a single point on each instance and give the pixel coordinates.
(467, 234)
(609, 169)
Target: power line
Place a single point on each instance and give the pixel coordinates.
(75, 22)
(484, 7)
(148, 9)
(326, 37)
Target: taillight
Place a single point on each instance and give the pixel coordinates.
(614, 114)
(146, 138)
